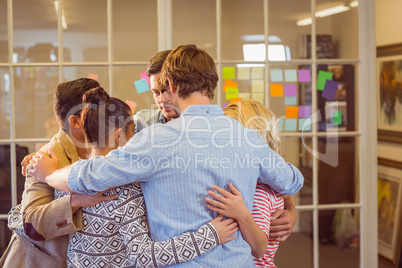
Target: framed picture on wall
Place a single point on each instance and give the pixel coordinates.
(389, 93)
(389, 208)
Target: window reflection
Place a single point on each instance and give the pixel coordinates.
(33, 91)
(5, 103)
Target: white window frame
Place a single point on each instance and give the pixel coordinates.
(366, 112)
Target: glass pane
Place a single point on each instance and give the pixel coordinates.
(242, 23)
(339, 238)
(193, 27)
(135, 30)
(35, 31)
(3, 32)
(290, 252)
(5, 178)
(338, 178)
(125, 89)
(297, 152)
(290, 96)
(337, 28)
(99, 73)
(33, 101)
(284, 17)
(85, 31)
(5, 103)
(5, 235)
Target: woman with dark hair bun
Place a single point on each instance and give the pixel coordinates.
(115, 233)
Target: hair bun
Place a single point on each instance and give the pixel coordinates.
(96, 96)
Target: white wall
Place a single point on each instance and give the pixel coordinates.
(388, 21)
(388, 31)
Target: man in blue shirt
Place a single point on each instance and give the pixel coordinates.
(178, 161)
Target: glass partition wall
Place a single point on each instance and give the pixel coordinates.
(300, 58)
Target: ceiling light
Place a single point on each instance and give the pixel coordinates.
(354, 4)
(304, 22)
(324, 13)
(331, 11)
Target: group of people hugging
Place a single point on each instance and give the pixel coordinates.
(189, 184)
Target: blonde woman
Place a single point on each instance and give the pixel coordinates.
(255, 226)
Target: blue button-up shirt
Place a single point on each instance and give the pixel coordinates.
(178, 162)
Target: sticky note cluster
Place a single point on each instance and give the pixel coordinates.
(327, 85)
(289, 76)
(329, 89)
(284, 84)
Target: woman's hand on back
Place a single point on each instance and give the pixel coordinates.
(225, 228)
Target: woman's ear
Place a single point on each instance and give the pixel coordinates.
(74, 121)
(118, 135)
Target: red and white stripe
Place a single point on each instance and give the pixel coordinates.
(266, 201)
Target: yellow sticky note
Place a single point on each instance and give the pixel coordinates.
(257, 86)
(245, 96)
(228, 73)
(229, 83)
(232, 92)
(257, 73)
(276, 90)
(258, 97)
(243, 73)
(292, 112)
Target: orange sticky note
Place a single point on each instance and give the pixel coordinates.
(229, 83)
(292, 112)
(132, 105)
(235, 100)
(93, 76)
(276, 90)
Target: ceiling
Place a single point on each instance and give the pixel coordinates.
(41, 14)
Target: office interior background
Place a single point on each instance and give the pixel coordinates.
(262, 47)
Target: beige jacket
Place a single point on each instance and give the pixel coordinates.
(47, 222)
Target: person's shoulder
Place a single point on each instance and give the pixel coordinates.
(57, 145)
(147, 114)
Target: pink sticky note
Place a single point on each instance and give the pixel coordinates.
(131, 104)
(304, 75)
(304, 111)
(93, 76)
(290, 91)
(145, 76)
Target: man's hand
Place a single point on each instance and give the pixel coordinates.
(25, 163)
(225, 228)
(84, 200)
(43, 166)
(283, 221)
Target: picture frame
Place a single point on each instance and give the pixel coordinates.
(389, 93)
(389, 209)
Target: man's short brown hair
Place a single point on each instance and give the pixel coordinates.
(155, 64)
(190, 69)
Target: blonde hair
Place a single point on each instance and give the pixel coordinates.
(254, 115)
